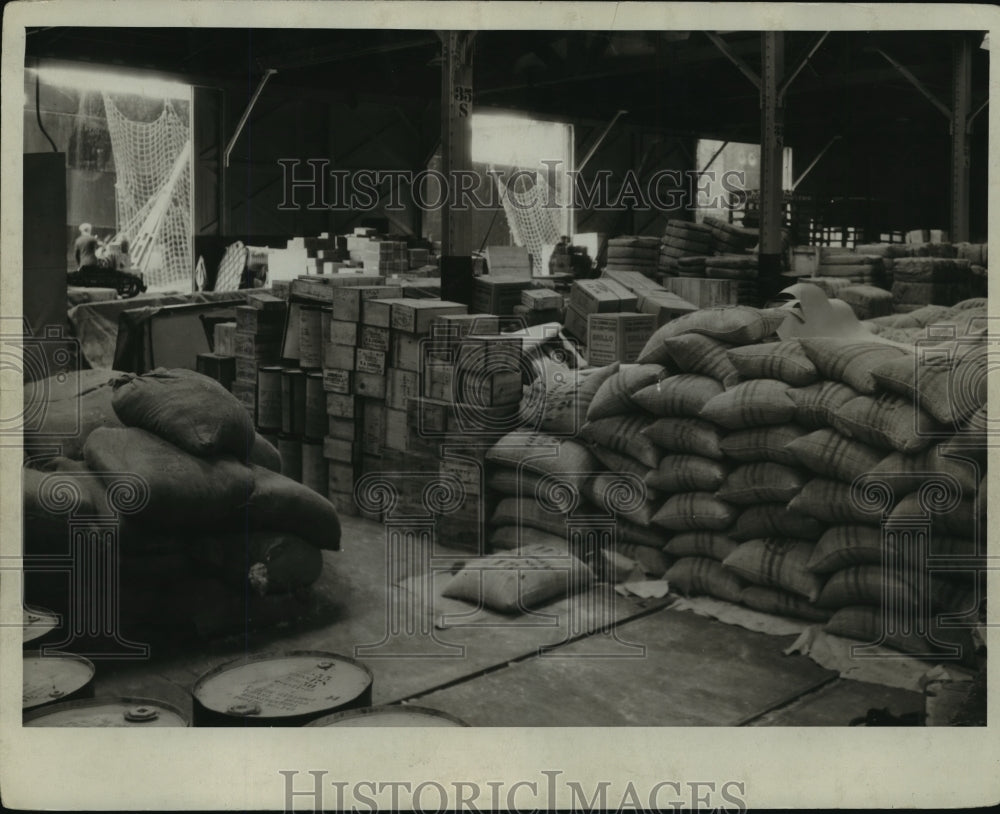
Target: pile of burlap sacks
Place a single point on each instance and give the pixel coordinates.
(210, 535)
(773, 473)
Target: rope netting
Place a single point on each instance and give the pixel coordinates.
(532, 223)
(152, 190)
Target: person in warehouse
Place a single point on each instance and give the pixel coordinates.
(86, 247)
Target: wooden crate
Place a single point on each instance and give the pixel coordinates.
(617, 337)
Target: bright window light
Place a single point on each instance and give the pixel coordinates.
(112, 81)
(516, 141)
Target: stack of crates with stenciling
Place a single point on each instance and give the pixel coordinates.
(405, 324)
(472, 385)
(684, 247)
(385, 257)
(257, 341)
(354, 378)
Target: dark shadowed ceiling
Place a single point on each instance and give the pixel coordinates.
(676, 80)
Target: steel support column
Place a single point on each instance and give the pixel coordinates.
(456, 134)
(961, 103)
(772, 139)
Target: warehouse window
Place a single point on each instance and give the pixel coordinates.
(728, 165)
(128, 160)
(507, 143)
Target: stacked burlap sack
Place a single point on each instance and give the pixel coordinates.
(853, 266)
(919, 281)
(797, 430)
(633, 253)
(543, 475)
(210, 534)
(731, 239)
(684, 246)
(963, 318)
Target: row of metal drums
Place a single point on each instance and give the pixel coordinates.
(296, 688)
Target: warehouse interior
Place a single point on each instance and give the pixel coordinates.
(473, 461)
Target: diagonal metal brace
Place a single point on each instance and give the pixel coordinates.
(727, 52)
(802, 64)
(916, 83)
(246, 115)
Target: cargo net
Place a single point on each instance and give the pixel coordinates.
(532, 224)
(152, 192)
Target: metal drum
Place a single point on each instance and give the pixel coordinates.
(280, 689)
(54, 678)
(145, 712)
(293, 401)
(316, 420)
(40, 625)
(389, 715)
(269, 398)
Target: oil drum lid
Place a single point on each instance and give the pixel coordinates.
(109, 712)
(38, 622)
(49, 678)
(389, 715)
(281, 685)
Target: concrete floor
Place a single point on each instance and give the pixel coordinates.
(595, 660)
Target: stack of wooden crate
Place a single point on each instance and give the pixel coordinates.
(256, 341)
(471, 391)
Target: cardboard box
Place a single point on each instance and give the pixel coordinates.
(347, 300)
(320, 289)
(634, 281)
(439, 381)
(378, 312)
(489, 354)
(369, 361)
(665, 306)
(340, 357)
(407, 349)
(450, 329)
(254, 320)
(250, 346)
(245, 370)
(372, 427)
(340, 406)
(471, 474)
(373, 338)
(266, 302)
(221, 368)
(576, 324)
(400, 386)
(396, 430)
(617, 337)
(416, 316)
(343, 429)
(497, 295)
(508, 261)
(337, 380)
(541, 299)
(370, 385)
(601, 296)
(224, 338)
(343, 333)
(342, 450)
